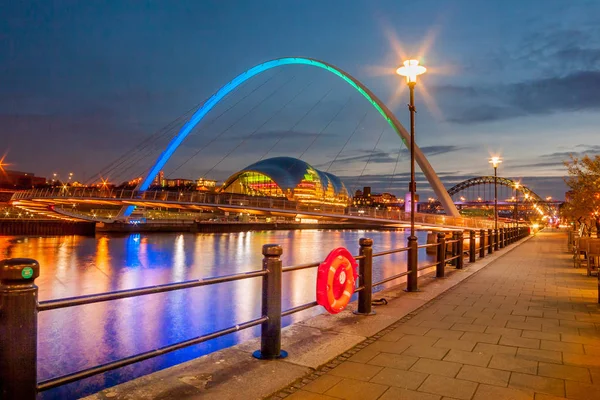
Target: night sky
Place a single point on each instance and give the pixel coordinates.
(83, 82)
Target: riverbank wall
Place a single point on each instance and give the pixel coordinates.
(226, 227)
(24, 227)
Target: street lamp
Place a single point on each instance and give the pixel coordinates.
(495, 161)
(411, 69)
(517, 185)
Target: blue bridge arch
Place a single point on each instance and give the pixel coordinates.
(428, 171)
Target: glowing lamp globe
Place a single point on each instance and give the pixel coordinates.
(411, 69)
(495, 161)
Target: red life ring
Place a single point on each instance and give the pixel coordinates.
(336, 279)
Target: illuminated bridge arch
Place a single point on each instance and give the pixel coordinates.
(487, 180)
(428, 171)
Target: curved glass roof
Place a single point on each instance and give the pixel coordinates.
(288, 172)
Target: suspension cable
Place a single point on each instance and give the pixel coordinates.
(348, 140)
(357, 184)
(297, 122)
(231, 125)
(247, 137)
(325, 128)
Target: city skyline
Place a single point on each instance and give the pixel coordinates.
(90, 81)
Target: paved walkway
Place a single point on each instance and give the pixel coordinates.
(525, 327)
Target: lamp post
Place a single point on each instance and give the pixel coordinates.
(495, 161)
(517, 185)
(411, 69)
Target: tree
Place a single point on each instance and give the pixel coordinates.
(583, 202)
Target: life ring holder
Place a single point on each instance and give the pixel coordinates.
(336, 280)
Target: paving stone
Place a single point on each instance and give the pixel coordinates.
(542, 396)
(484, 375)
(351, 389)
(450, 387)
(490, 322)
(511, 363)
(418, 340)
(567, 372)
(488, 392)
(365, 355)
(491, 338)
(444, 333)
(436, 367)
(591, 350)
(355, 370)
(426, 351)
(504, 331)
(458, 320)
(467, 357)
(550, 356)
(399, 378)
(541, 384)
(322, 383)
(594, 341)
(541, 335)
(395, 393)
(436, 324)
(305, 395)
(582, 360)
(576, 348)
(468, 327)
(531, 326)
(457, 344)
(485, 348)
(380, 346)
(399, 361)
(520, 342)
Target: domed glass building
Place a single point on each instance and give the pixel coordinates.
(290, 178)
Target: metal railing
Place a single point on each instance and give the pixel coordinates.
(241, 202)
(19, 305)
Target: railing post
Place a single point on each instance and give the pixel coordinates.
(496, 237)
(440, 268)
(490, 241)
(412, 261)
(472, 246)
(365, 270)
(501, 241)
(270, 338)
(454, 248)
(481, 243)
(18, 328)
(460, 250)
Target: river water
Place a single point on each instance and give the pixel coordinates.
(76, 338)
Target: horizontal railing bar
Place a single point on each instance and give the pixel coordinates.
(424, 246)
(86, 373)
(391, 278)
(452, 241)
(310, 265)
(299, 308)
(300, 266)
(452, 258)
(427, 266)
(384, 253)
(122, 294)
(359, 289)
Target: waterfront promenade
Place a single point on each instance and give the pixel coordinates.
(525, 327)
(520, 324)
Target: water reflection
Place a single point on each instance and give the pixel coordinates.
(81, 337)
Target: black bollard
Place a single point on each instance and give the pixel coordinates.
(18, 328)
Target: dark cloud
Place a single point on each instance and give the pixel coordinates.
(577, 91)
(578, 151)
